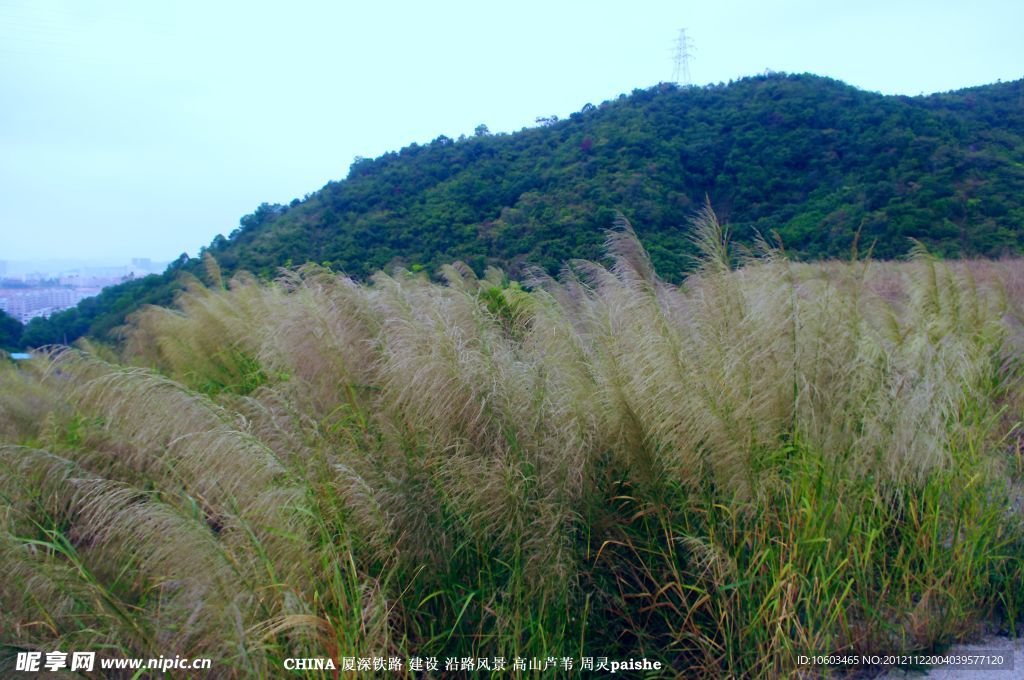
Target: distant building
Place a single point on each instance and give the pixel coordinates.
(26, 304)
(146, 265)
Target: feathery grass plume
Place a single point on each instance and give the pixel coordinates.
(711, 240)
(322, 331)
(208, 343)
(251, 530)
(761, 335)
(677, 409)
(235, 478)
(631, 260)
(113, 524)
(456, 383)
(772, 458)
(24, 403)
(212, 269)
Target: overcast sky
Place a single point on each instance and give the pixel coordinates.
(145, 128)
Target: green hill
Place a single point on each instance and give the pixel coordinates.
(822, 163)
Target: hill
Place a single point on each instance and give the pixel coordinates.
(825, 165)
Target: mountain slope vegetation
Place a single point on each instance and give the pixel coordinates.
(828, 167)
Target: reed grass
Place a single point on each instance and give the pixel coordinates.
(771, 459)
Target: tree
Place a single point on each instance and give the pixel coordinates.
(10, 332)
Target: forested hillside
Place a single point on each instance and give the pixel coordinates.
(823, 164)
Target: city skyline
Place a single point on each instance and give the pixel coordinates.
(39, 288)
(54, 267)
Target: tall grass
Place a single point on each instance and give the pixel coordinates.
(768, 460)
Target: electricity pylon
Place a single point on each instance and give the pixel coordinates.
(683, 52)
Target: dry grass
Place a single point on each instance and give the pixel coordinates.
(764, 461)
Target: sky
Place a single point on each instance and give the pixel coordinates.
(144, 129)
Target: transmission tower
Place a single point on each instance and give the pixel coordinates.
(683, 52)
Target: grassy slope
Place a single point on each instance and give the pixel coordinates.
(721, 475)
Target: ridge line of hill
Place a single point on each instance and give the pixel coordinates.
(821, 163)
